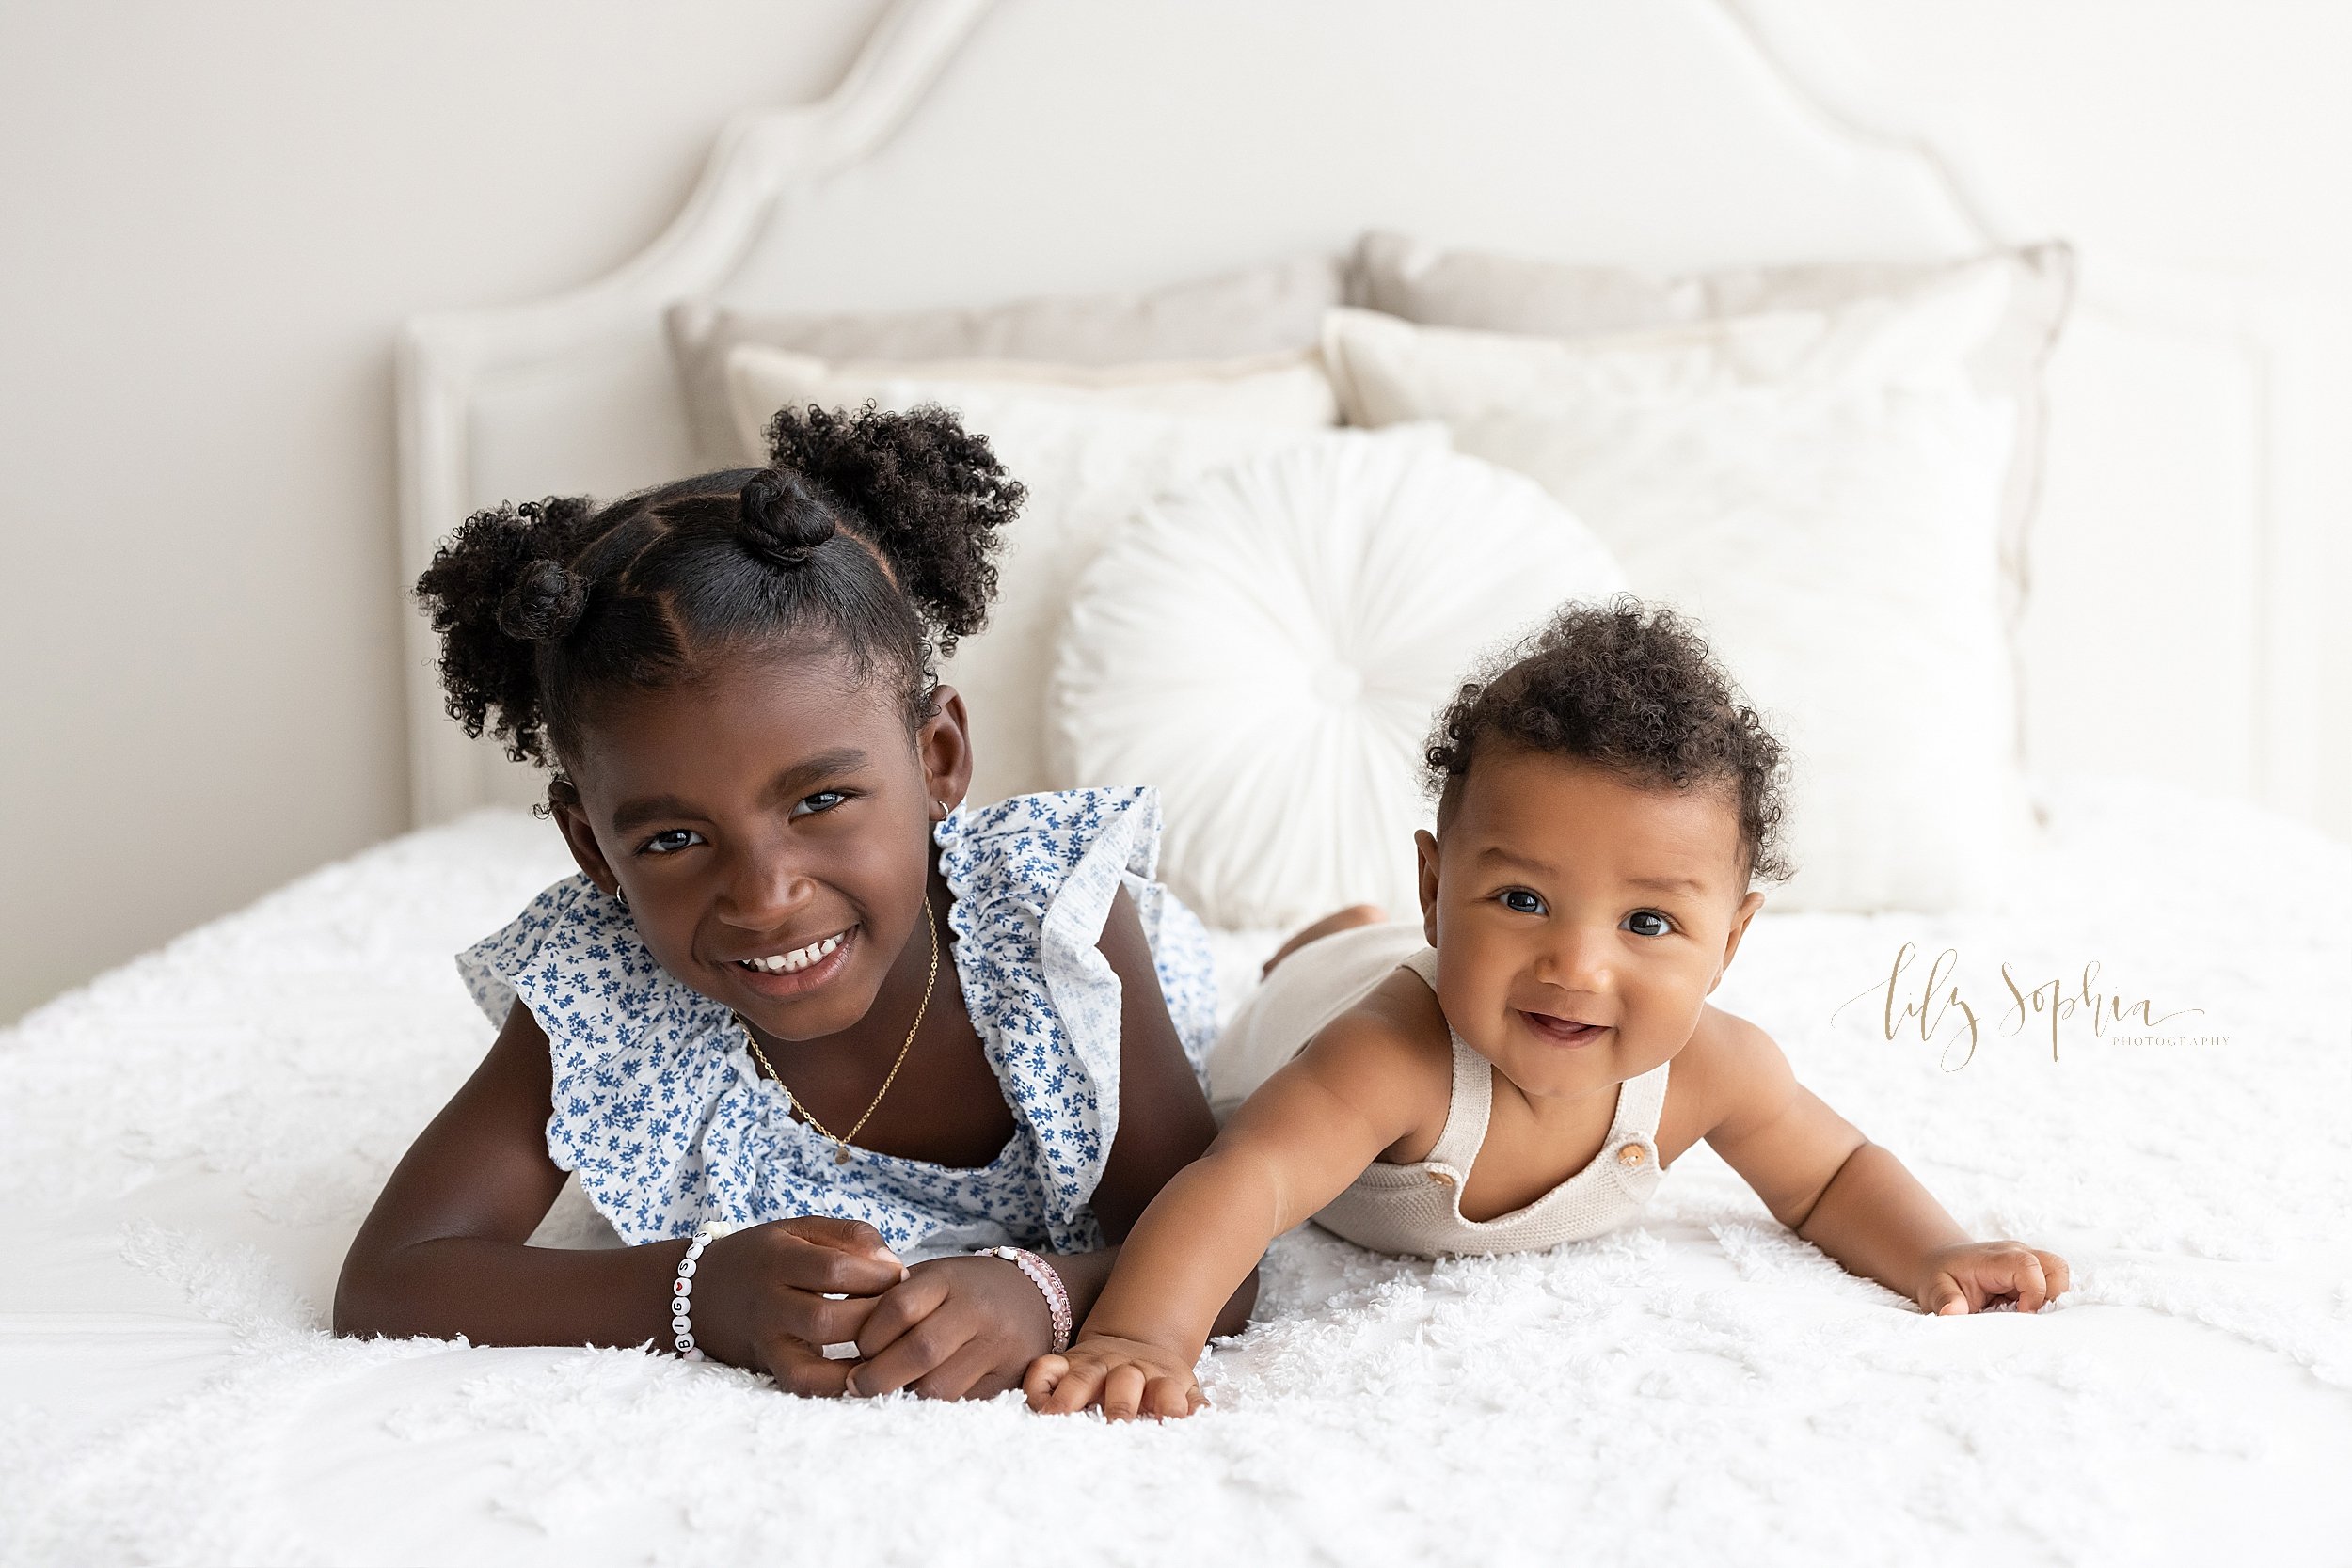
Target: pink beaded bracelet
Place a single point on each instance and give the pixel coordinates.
(1048, 1283)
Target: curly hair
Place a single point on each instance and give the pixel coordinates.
(873, 531)
(1631, 689)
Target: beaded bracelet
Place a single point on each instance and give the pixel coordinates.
(682, 1289)
(1048, 1283)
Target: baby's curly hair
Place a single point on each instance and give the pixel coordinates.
(873, 531)
(1631, 689)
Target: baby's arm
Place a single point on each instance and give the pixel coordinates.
(1846, 1195)
(443, 1251)
(1310, 1129)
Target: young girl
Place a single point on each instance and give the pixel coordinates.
(809, 1033)
(1604, 804)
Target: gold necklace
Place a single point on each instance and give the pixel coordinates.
(841, 1142)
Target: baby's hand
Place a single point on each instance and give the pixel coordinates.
(1975, 1274)
(1127, 1377)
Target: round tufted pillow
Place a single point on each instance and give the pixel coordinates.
(1270, 645)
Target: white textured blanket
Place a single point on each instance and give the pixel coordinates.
(189, 1143)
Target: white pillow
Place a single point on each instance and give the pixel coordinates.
(1823, 490)
(1287, 389)
(1088, 468)
(1270, 646)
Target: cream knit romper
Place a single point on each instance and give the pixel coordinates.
(1417, 1208)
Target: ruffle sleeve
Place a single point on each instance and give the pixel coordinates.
(1034, 878)
(639, 1061)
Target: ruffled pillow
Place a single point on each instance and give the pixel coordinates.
(1270, 645)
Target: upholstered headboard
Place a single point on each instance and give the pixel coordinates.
(976, 153)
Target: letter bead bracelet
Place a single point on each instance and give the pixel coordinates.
(1040, 1273)
(1048, 1283)
(682, 1289)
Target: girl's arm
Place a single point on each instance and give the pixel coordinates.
(1358, 1089)
(443, 1251)
(1846, 1195)
(945, 1332)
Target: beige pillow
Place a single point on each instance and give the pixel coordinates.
(1289, 389)
(1823, 490)
(1260, 309)
(1439, 287)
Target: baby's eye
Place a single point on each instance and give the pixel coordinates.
(670, 841)
(1648, 923)
(1522, 901)
(825, 799)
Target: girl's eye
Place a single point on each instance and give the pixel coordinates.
(1648, 922)
(1524, 902)
(825, 799)
(670, 841)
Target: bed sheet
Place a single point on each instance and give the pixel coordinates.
(189, 1143)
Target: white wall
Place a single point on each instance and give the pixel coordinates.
(216, 214)
(2194, 152)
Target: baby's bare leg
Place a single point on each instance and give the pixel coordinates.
(1337, 920)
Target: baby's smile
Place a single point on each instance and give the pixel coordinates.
(1556, 1030)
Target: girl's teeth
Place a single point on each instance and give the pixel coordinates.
(798, 958)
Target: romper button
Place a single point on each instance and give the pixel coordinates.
(1444, 1178)
(1630, 1155)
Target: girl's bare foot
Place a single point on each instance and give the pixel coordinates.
(1337, 920)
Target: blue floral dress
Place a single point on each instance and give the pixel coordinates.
(659, 1110)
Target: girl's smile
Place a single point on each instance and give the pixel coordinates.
(799, 970)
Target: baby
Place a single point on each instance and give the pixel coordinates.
(1495, 1077)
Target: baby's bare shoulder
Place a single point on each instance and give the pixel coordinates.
(1389, 1053)
(1731, 1071)
(1399, 1021)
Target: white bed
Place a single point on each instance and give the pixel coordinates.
(188, 1163)
(189, 1143)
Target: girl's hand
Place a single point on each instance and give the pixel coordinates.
(959, 1328)
(761, 1297)
(1972, 1276)
(1127, 1377)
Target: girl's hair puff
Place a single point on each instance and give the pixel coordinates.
(873, 531)
(1633, 690)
